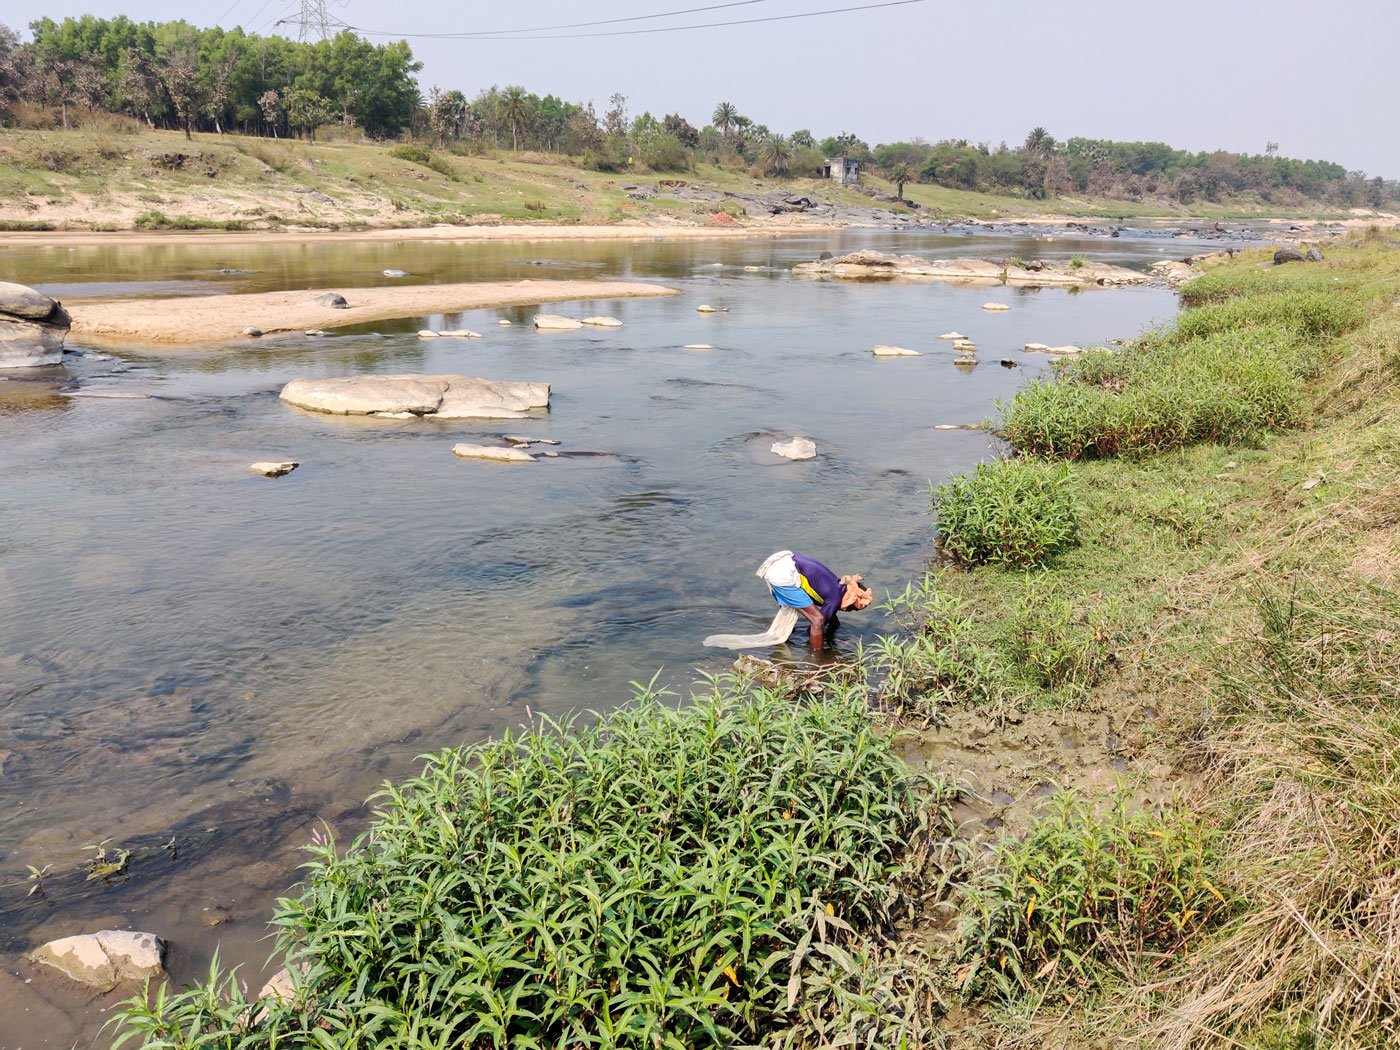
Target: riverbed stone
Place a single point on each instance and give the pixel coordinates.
(704, 308)
(435, 396)
(497, 453)
(894, 351)
(274, 468)
(252, 331)
(334, 300)
(952, 335)
(797, 448)
(33, 327)
(101, 960)
(603, 322)
(556, 323)
(995, 308)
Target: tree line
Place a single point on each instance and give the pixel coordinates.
(175, 75)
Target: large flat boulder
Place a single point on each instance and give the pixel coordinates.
(868, 263)
(435, 396)
(33, 327)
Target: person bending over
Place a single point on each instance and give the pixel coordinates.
(817, 593)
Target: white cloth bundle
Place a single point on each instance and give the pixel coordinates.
(777, 570)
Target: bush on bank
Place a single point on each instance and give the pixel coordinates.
(1009, 512)
(666, 878)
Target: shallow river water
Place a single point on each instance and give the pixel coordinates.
(192, 652)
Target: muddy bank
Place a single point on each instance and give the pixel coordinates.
(187, 321)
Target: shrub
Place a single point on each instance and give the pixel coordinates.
(665, 878)
(1012, 512)
(1059, 645)
(413, 154)
(1076, 262)
(1089, 889)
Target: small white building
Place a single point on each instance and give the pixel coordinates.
(842, 170)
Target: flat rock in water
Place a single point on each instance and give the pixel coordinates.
(101, 960)
(798, 448)
(952, 335)
(492, 452)
(556, 323)
(1068, 350)
(1037, 348)
(894, 351)
(995, 308)
(965, 345)
(698, 346)
(704, 308)
(273, 468)
(460, 333)
(395, 273)
(603, 322)
(315, 333)
(427, 333)
(437, 396)
(503, 323)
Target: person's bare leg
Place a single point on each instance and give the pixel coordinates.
(816, 627)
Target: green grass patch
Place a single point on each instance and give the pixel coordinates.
(666, 878)
(1009, 512)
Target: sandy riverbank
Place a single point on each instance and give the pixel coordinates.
(190, 321)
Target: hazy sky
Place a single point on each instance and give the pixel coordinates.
(1318, 78)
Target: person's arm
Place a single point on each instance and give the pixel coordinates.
(816, 626)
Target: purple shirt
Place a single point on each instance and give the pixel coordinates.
(821, 583)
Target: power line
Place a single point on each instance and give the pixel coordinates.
(638, 32)
(609, 21)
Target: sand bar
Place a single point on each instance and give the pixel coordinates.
(193, 320)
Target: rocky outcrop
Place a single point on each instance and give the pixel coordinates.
(435, 396)
(868, 264)
(102, 960)
(32, 327)
(798, 448)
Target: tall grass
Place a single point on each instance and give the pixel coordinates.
(667, 878)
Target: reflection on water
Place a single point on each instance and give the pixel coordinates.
(179, 637)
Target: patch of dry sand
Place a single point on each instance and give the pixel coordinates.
(190, 321)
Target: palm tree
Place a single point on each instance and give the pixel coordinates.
(515, 107)
(900, 174)
(726, 115)
(1040, 141)
(775, 153)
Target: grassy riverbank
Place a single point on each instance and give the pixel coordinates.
(123, 178)
(1206, 557)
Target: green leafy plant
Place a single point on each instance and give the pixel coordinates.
(665, 878)
(1076, 262)
(1011, 512)
(1090, 889)
(1061, 645)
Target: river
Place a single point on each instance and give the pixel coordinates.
(202, 665)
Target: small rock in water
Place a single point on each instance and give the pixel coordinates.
(603, 322)
(698, 346)
(1037, 348)
(894, 351)
(1006, 362)
(521, 439)
(1069, 350)
(314, 332)
(273, 468)
(492, 452)
(334, 300)
(101, 960)
(965, 345)
(460, 333)
(798, 448)
(395, 273)
(253, 331)
(556, 323)
(952, 335)
(503, 323)
(704, 308)
(965, 363)
(427, 333)
(995, 307)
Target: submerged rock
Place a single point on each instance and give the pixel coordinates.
(894, 351)
(460, 333)
(492, 452)
(798, 448)
(273, 468)
(101, 960)
(556, 323)
(33, 327)
(437, 396)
